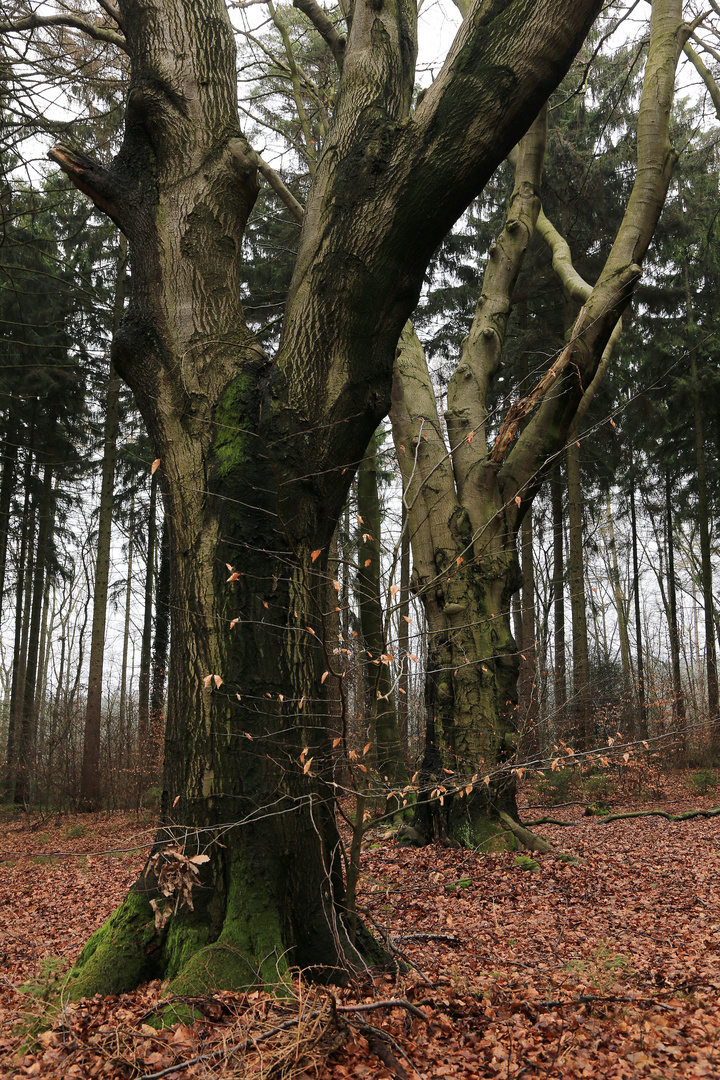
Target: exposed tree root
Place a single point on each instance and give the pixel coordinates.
(686, 815)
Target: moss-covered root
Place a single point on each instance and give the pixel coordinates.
(249, 949)
(524, 837)
(125, 951)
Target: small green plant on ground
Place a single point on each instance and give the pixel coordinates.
(558, 786)
(50, 970)
(74, 832)
(601, 967)
(599, 787)
(703, 781)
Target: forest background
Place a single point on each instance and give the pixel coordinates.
(617, 619)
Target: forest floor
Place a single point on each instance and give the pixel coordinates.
(608, 966)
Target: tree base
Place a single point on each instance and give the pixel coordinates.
(234, 938)
(476, 822)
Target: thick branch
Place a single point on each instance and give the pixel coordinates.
(113, 12)
(482, 347)
(93, 179)
(73, 22)
(324, 26)
(573, 283)
(281, 190)
(563, 386)
(706, 76)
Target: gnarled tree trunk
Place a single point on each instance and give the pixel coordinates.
(257, 454)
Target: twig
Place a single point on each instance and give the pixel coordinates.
(390, 1003)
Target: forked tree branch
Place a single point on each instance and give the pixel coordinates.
(705, 74)
(113, 12)
(325, 27)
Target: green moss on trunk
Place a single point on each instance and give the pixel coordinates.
(124, 952)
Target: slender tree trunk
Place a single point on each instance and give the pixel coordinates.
(7, 485)
(403, 701)
(90, 776)
(146, 645)
(679, 715)
(162, 638)
(378, 663)
(28, 724)
(23, 586)
(559, 677)
(528, 664)
(582, 729)
(642, 728)
(122, 719)
(622, 616)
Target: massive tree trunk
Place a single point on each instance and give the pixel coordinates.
(257, 455)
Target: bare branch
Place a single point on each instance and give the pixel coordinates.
(324, 26)
(283, 193)
(113, 12)
(574, 285)
(705, 74)
(33, 22)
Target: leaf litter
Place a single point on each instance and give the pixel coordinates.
(603, 961)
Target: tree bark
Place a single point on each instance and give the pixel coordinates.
(7, 484)
(162, 638)
(620, 607)
(146, 644)
(28, 723)
(582, 731)
(235, 432)
(679, 714)
(122, 708)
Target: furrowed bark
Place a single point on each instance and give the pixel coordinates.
(257, 456)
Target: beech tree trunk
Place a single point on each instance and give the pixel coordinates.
(257, 454)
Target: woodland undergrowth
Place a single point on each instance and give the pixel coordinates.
(601, 958)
